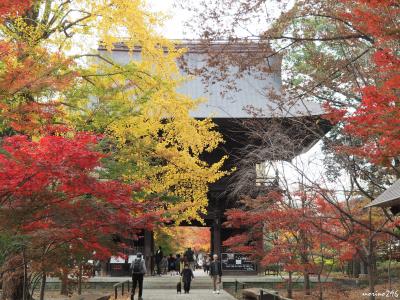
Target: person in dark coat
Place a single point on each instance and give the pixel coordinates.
(138, 268)
(187, 276)
(206, 264)
(216, 273)
(171, 264)
(178, 262)
(189, 254)
(159, 256)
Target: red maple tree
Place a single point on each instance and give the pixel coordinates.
(13, 8)
(376, 120)
(305, 231)
(50, 186)
(281, 234)
(50, 195)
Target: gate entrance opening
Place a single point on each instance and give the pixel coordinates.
(177, 239)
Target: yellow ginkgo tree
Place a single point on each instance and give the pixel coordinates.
(149, 133)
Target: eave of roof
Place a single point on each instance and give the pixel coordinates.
(203, 46)
(388, 198)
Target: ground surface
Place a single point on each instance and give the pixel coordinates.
(164, 288)
(383, 292)
(158, 294)
(198, 294)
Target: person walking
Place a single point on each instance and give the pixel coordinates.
(171, 264)
(189, 256)
(187, 276)
(138, 267)
(207, 263)
(178, 267)
(159, 256)
(216, 273)
(164, 265)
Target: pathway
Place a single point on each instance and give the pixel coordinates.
(201, 291)
(196, 294)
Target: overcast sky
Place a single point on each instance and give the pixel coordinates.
(173, 28)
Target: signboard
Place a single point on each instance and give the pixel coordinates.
(131, 258)
(117, 260)
(118, 266)
(237, 262)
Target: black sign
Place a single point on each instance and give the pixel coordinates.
(237, 262)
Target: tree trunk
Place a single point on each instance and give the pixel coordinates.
(363, 270)
(349, 268)
(307, 287)
(25, 281)
(371, 267)
(13, 278)
(389, 264)
(42, 286)
(371, 279)
(80, 279)
(320, 287)
(289, 286)
(356, 267)
(64, 282)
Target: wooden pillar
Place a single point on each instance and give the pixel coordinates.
(216, 236)
(149, 250)
(211, 240)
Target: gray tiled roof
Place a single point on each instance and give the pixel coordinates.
(251, 91)
(390, 197)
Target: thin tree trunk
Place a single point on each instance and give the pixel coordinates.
(42, 286)
(64, 282)
(370, 261)
(289, 286)
(356, 267)
(307, 287)
(80, 279)
(371, 279)
(320, 287)
(349, 269)
(25, 281)
(389, 265)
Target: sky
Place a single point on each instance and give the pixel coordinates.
(174, 27)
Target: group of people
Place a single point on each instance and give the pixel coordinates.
(179, 265)
(214, 270)
(174, 264)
